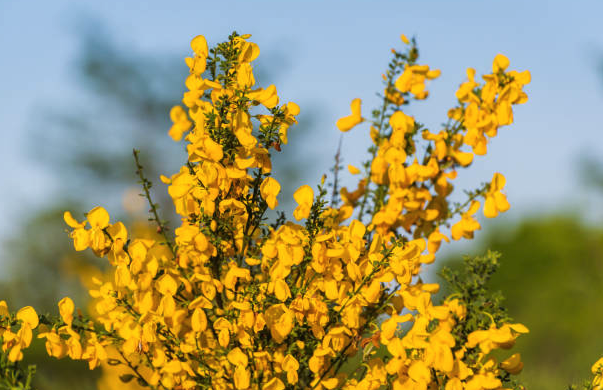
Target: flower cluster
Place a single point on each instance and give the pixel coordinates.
(233, 301)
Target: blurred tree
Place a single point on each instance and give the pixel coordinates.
(87, 147)
(551, 274)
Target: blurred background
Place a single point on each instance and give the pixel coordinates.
(82, 83)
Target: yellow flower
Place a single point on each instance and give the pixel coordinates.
(500, 63)
(467, 225)
(348, 122)
(513, 365)
(28, 316)
(496, 201)
(269, 190)
(274, 384)
(304, 196)
(353, 170)
(279, 320)
(66, 308)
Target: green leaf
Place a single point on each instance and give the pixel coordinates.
(126, 378)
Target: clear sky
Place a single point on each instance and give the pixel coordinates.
(335, 51)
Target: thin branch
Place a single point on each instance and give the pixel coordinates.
(146, 185)
(336, 169)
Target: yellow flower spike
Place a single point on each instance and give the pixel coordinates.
(66, 308)
(513, 365)
(98, 218)
(28, 316)
(304, 196)
(347, 123)
(353, 170)
(269, 189)
(404, 39)
(500, 63)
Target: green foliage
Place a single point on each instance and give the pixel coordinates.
(551, 272)
(13, 376)
(470, 286)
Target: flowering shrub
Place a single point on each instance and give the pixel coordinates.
(332, 300)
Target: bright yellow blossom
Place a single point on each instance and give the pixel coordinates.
(348, 122)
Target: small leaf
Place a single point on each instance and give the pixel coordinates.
(126, 378)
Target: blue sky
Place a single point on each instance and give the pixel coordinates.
(335, 51)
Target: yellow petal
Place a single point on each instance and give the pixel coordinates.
(198, 320)
(290, 363)
(519, 328)
(69, 220)
(98, 217)
(292, 108)
(524, 77)
(502, 204)
(598, 365)
(433, 74)
(348, 122)
(274, 384)
(304, 195)
(473, 208)
(419, 372)
(237, 358)
(199, 46)
(463, 158)
(404, 39)
(167, 285)
(66, 308)
(29, 316)
(490, 210)
(242, 378)
(500, 62)
(513, 364)
(498, 182)
(353, 170)
(15, 353)
(269, 189)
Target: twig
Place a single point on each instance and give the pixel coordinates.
(146, 185)
(336, 169)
